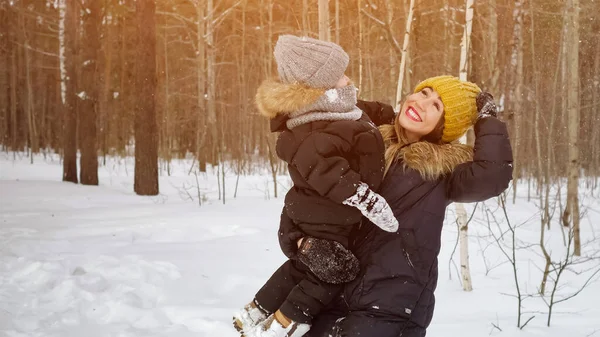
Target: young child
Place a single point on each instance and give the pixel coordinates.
(335, 158)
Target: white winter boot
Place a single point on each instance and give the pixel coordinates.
(247, 318)
(272, 327)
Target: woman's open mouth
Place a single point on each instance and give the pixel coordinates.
(412, 114)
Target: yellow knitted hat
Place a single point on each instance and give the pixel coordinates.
(460, 109)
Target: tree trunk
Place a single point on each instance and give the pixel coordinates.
(324, 31)
(460, 208)
(67, 34)
(360, 44)
(595, 141)
(201, 86)
(537, 99)
(402, 68)
(494, 70)
(572, 207)
(13, 96)
(146, 130)
(212, 83)
(104, 99)
(4, 84)
(88, 104)
(28, 102)
(448, 38)
(517, 63)
(407, 87)
(337, 21)
(305, 18)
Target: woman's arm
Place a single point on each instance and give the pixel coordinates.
(379, 113)
(490, 172)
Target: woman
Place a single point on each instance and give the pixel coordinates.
(425, 171)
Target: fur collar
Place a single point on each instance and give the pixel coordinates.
(275, 98)
(433, 161)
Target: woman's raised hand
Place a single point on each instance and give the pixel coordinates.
(486, 106)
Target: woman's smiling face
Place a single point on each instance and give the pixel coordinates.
(420, 113)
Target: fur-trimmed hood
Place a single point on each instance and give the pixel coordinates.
(275, 98)
(433, 161)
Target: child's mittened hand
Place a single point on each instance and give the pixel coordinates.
(373, 207)
(328, 260)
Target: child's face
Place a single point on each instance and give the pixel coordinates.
(344, 81)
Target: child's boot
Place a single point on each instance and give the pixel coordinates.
(248, 317)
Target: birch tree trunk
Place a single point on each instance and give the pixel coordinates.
(146, 130)
(595, 106)
(461, 213)
(402, 69)
(360, 44)
(324, 31)
(67, 34)
(572, 208)
(90, 49)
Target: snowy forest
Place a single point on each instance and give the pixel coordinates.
(170, 86)
(108, 67)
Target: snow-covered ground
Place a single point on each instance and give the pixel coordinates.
(100, 261)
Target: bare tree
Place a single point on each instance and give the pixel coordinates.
(88, 104)
(461, 213)
(571, 212)
(324, 29)
(68, 33)
(146, 133)
(516, 60)
(402, 69)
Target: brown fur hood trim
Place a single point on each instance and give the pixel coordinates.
(274, 98)
(434, 160)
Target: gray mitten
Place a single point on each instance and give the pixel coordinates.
(373, 207)
(328, 260)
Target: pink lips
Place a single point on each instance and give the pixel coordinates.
(412, 114)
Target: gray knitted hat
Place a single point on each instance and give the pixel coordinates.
(314, 63)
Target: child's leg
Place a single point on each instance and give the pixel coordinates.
(277, 288)
(269, 298)
(305, 301)
(308, 297)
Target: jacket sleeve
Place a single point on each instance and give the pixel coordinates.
(490, 172)
(289, 234)
(379, 113)
(319, 159)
